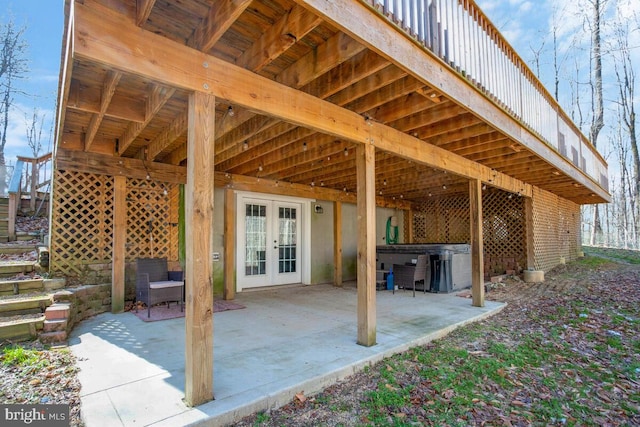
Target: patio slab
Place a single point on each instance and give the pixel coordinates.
(285, 341)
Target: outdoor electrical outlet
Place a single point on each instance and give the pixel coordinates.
(216, 256)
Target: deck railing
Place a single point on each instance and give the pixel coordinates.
(460, 34)
(30, 175)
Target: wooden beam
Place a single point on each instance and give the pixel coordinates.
(337, 243)
(229, 244)
(66, 69)
(119, 243)
(172, 132)
(158, 97)
(366, 259)
(88, 99)
(354, 69)
(477, 262)
(108, 89)
(292, 27)
(221, 17)
(102, 164)
(336, 50)
(143, 10)
(198, 270)
(105, 39)
(360, 21)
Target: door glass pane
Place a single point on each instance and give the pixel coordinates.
(287, 239)
(255, 239)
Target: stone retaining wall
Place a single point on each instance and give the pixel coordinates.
(86, 301)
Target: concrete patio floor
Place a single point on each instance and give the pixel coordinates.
(285, 341)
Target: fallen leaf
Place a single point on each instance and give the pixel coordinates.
(35, 382)
(301, 397)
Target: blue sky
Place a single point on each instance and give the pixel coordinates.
(43, 20)
(526, 24)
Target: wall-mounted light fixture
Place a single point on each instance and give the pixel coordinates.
(318, 209)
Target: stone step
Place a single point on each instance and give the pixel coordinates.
(16, 287)
(29, 305)
(59, 310)
(55, 325)
(20, 329)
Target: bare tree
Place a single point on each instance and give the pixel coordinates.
(536, 57)
(13, 66)
(34, 125)
(625, 75)
(597, 120)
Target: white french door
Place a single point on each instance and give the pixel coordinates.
(269, 237)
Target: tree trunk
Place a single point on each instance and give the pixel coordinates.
(598, 105)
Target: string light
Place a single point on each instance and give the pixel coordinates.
(245, 145)
(304, 146)
(230, 111)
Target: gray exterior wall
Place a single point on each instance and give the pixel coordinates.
(321, 239)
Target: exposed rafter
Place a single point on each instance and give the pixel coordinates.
(108, 89)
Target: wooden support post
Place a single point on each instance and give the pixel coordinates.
(337, 243)
(408, 225)
(528, 233)
(119, 242)
(229, 244)
(198, 269)
(477, 262)
(366, 215)
(13, 211)
(34, 185)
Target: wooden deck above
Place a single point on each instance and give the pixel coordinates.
(298, 86)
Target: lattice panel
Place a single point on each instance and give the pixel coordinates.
(548, 238)
(82, 221)
(446, 220)
(152, 222)
(504, 232)
(569, 231)
(442, 220)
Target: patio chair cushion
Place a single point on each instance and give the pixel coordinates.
(165, 284)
